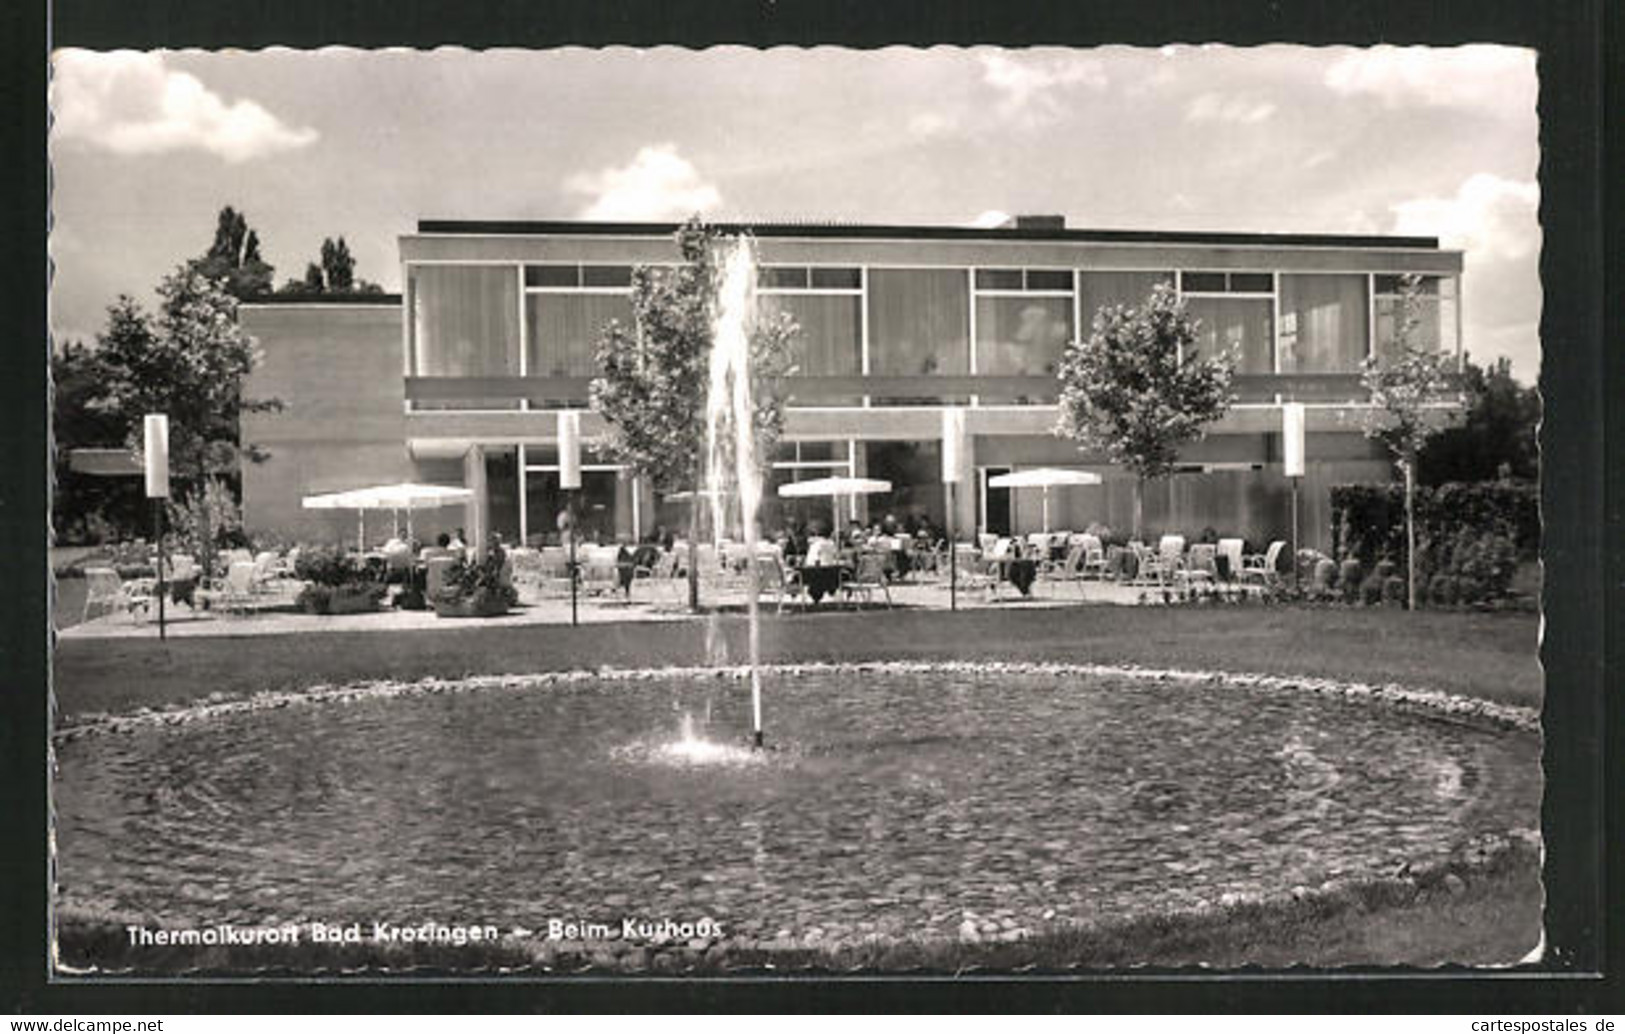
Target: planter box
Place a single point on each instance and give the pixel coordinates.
(469, 609)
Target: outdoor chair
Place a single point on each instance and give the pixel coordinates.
(106, 593)
(236, 594)
(1094, 557)
(1231, 550)
(1068, 569)
(1199, 564)
(869, 575)
(600, 570)
(1264, 567)
(971, 571)
(1166, 563)
(783, 582)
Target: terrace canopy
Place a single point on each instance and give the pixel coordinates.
(836, 488)
(1045, 478)
(403, 496)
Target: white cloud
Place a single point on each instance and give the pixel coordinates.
(1478, 74)
(928, 124)
(1213, 107)
(990, 219)
(1489, 217)
(1494, 221)
(1031, 87)
(129, 103)
(659, 183)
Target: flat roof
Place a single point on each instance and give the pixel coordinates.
(865, 231)
(325, 299)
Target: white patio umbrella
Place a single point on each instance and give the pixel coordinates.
(835, 488)
(402, 496)
(1045, 478)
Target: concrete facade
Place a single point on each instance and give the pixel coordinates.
(361, 408)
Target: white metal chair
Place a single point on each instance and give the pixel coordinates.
(106, 593)
(1231, 550)
(1068, 569)
(1265, 568)
(869, 575)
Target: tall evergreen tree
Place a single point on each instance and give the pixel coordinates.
(234, 257)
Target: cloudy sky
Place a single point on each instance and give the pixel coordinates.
(148, 147)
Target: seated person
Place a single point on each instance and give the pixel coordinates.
(821, 552)
(442, 547)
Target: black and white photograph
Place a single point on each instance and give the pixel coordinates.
(735, 512)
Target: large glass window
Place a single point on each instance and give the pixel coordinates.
(915, 472)
(1098, 289)
(919, 324)
(464, 323)
(1229, 322)
(1323, 323)
(564, 330)
(1238, 325)
(830, 343)
(1021, 336)
(1436, 314)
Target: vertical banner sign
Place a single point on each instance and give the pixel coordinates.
(953, 465)
(1292, 439)
(156, 428)
(569, 450)
(953, 445)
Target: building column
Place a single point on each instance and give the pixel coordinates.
(968, 493)
(475, 511)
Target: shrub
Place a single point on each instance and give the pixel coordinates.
(1469, 590)
(1393, 589)
(478, 584)
(1371, 589)
(1442, 589)
(1348, 577)
(325, 565)
(1368, 521)
(1325, 579)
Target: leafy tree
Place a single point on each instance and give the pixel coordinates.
(1405, 386)
(1497, 436)
(234, 258)
(655, 375)
(188, 361)
(1136, 390)
(85, 507)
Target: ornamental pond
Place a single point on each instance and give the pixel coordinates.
(923, 805)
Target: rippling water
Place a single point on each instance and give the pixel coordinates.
(892, 804)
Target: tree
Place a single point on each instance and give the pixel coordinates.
(334, 274)
(1136, 390)
(655, 375)
(86, 508)
(234, 258)
(1496, 437)
(338, 266)
(188, 361)
(1405, 386)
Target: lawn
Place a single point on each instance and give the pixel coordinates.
(1489, 655)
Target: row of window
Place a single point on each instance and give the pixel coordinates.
(465, 320)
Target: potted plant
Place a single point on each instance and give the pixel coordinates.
(333, 585)
(474, 590)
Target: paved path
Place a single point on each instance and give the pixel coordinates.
(648, 604)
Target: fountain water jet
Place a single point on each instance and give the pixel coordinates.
(730, 433)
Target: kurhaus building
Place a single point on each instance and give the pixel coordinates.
(458, 380)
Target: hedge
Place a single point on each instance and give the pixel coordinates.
(1368, 521)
